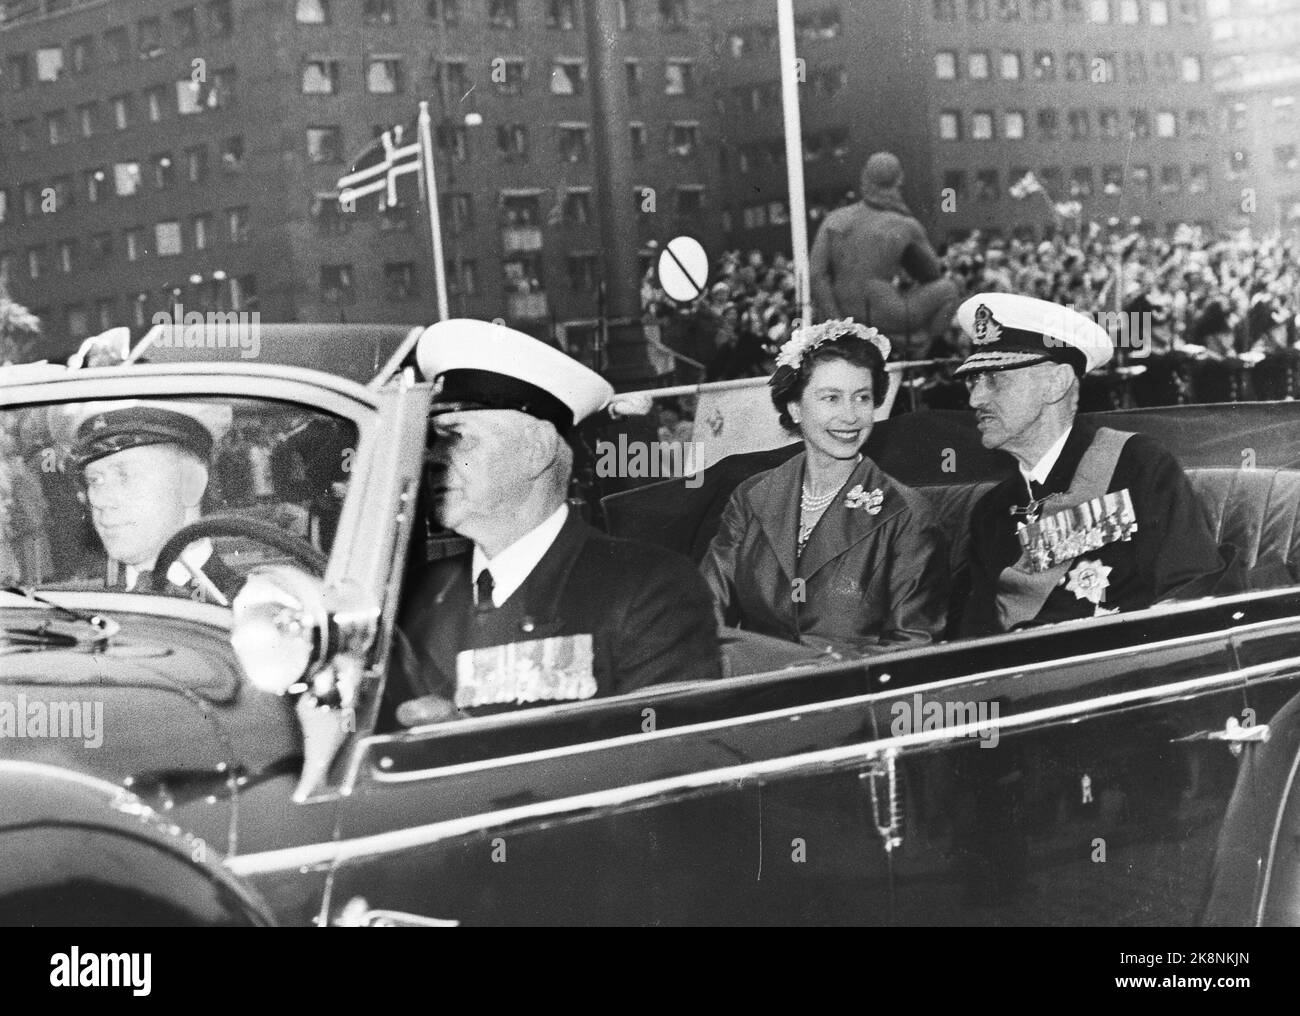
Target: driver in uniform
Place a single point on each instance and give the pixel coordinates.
(145, 470)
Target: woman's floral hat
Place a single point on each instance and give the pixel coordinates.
(806, 338)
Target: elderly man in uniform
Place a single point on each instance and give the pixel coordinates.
(544, 608)
(145, 469)
(861, 249)
(1096, 520)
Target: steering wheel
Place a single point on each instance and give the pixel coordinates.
(237, 525)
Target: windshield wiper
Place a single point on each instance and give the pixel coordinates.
(104, 627)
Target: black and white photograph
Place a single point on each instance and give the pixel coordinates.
(651, 463)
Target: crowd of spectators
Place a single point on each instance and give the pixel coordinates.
(1203, 297)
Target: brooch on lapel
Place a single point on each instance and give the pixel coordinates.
(1089, 581)
(871, 500)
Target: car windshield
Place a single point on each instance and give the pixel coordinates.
(91, 492)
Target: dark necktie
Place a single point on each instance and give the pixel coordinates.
(484, 586)
(143, 582)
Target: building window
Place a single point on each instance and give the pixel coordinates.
(18, 71)
(954, 180)
(164, 171)
(1049, 125)
(1081, 182)
(232, 154)
(221, 21)
(1010, 67)
(1099, 12)
(1238, 116)
(324, 144)
(1283, 110)
(83, 54)
(1135, 67)
(86, 119)
(678, 77)
(577, 208)
(1285, 158)
(1075, 67)
(148, 34)
(31, 193)
(25, 134)
(986, 185)
(133, 241)
(503, 13)
(167, 238)
(453, 140)
(56, 127)
(312, 12)
(186, 24)
(1129, 12)
(945, 10)
(690, 199)
(977, 65)
(1192, 69)
(1079, 123)
(78, 320)
(977, 10)
(1171, 179)
(49, 63)
(508, 76)
(1166, 124)
(1198, 178)
(458, 211)
(446, 11)
(237, 224)
(583, 272)
(196, 164)
(1109, 124)
(1044, 66)
(950, 126)
(567, 77)
(94, 180)
(399, 280)
(1166, 68)
(1112, 180)
(683, 139)
(828, 81)
(1008, 10)
(632, 72)
(153, 103)
(201, 231)
(35, 262)
(121, 106)
(945, 65)
(1238, 162)
(1158, 12)
(981, 126)
(672, 15)
(512, 142)
(575, 144)
(320, 77)
(1198, 123)
(452, 80)
(637, 137)
(101, 246)
(1139, 123)
(561, 14)
(127, 179)
(384, 76)
(462, 277)
(1040, 10)
(1103, 69)
(336, 285)
(64, 196)
(105, 312)
(378, 12)
(1013, 125)
(116, 45)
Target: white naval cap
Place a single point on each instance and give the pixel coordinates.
(1009, 331)
(483, 365)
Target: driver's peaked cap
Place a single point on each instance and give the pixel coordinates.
(481, 365)
(95, 430)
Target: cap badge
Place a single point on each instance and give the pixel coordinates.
(987, 330)
(99, 423)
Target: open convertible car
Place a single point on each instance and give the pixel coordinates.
(1134, 768)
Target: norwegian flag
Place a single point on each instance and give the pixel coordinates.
(379, 168)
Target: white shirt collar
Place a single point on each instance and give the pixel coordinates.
(195, 555)
(517, 561)
(1039, 473)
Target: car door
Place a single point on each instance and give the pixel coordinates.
(1082, 782)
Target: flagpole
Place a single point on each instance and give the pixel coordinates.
(794, 157)
(435, 214)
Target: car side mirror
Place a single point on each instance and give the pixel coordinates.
(293, 635)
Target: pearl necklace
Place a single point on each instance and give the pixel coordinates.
(811, 509)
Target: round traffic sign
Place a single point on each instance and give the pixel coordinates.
(683, 269)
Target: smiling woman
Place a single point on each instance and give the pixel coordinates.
(855, 564)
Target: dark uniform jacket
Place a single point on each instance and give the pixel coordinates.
(870, 582)
(647, 610)
(1172, 553)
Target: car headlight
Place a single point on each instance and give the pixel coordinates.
(280, 627)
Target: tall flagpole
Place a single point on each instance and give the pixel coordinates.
(794, 156)
(435, 214)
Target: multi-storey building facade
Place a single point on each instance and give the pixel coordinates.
(1107, 102)
(1256, 76)
(155, 151)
